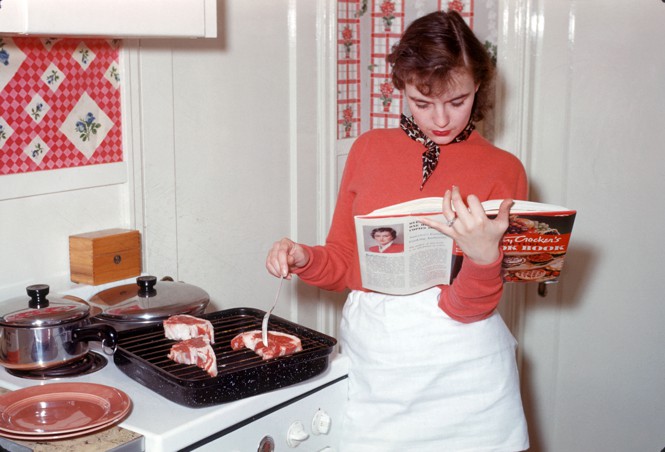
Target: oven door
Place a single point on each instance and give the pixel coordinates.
(312, 421)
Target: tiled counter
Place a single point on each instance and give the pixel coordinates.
(111, 439)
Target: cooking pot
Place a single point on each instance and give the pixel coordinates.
(147, 302)
(40, 332)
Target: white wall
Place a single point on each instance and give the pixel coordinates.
(234, 152)
(226, 152)
(35, 233)
(584, 96)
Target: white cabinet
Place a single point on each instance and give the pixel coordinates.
(110, 18)
(12, 16)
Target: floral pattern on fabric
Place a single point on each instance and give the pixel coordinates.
(61, 104)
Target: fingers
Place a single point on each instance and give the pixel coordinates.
(504, 208)
(279, 257)
(465, 213)
(441, 227)
(473, 209)
(272, 263)
(504, 213)
(447, 209)
(452, 203)
(471, 213)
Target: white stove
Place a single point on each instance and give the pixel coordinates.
(306, 416)
(234, 426)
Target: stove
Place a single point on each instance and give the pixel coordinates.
(308, 413)
(235, 426)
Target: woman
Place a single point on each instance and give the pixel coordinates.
(385, 241)
(435, 370)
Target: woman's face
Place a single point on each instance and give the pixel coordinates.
(383, 237)
(443, 116)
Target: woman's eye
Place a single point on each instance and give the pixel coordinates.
(459, 101)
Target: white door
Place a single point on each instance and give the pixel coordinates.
(583, 97)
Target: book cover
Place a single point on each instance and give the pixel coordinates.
(400, 255)
(535, 245)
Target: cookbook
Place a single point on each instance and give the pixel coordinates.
(400, 255)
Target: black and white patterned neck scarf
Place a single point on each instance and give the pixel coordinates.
(431, 154)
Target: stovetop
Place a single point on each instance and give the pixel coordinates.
(182, 425)
(167, 426)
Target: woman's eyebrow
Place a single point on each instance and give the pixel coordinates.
(418, 98)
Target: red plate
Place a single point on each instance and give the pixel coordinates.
(49, 437)
(61, 409)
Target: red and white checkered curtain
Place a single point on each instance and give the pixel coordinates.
(348, 69)
(387, 27)
(59, 103)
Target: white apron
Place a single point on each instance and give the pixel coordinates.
(420, 381)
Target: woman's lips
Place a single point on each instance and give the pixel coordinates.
(441, 133)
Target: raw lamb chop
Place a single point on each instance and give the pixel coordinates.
(279, 344)
(182, 326)
(197, 351)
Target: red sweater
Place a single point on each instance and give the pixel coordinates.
(384, 167)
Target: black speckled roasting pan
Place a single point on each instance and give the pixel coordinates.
(142, 355)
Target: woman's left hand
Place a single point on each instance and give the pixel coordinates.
(477, 235)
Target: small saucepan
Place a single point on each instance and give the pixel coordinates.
(40, 333)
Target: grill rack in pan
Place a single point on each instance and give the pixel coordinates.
(142, 355)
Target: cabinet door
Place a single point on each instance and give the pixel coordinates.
(12, 16)
(121, 18)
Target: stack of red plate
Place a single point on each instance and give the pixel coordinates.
(61, 410)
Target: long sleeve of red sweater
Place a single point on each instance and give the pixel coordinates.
(384, 167)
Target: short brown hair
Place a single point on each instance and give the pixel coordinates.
(392, 232)
(433, 49)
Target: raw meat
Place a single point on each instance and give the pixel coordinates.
(279, 344)
(182, 326)
(197, 351)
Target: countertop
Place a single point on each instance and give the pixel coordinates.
(110, 439)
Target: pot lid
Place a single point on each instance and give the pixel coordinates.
(38, 310)
(149, 300)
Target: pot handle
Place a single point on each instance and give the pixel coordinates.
(98, 332)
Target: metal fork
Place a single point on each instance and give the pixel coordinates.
(264, 325)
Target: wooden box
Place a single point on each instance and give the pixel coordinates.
(104, 256)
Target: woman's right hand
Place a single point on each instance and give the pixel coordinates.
(284, 256)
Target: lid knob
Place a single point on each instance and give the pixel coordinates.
(37, 294)
(146, 286)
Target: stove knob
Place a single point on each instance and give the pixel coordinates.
(321, 423)
(296, 434)
(267, 444)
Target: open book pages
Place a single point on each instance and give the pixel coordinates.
(400, 255)
(434, 204)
